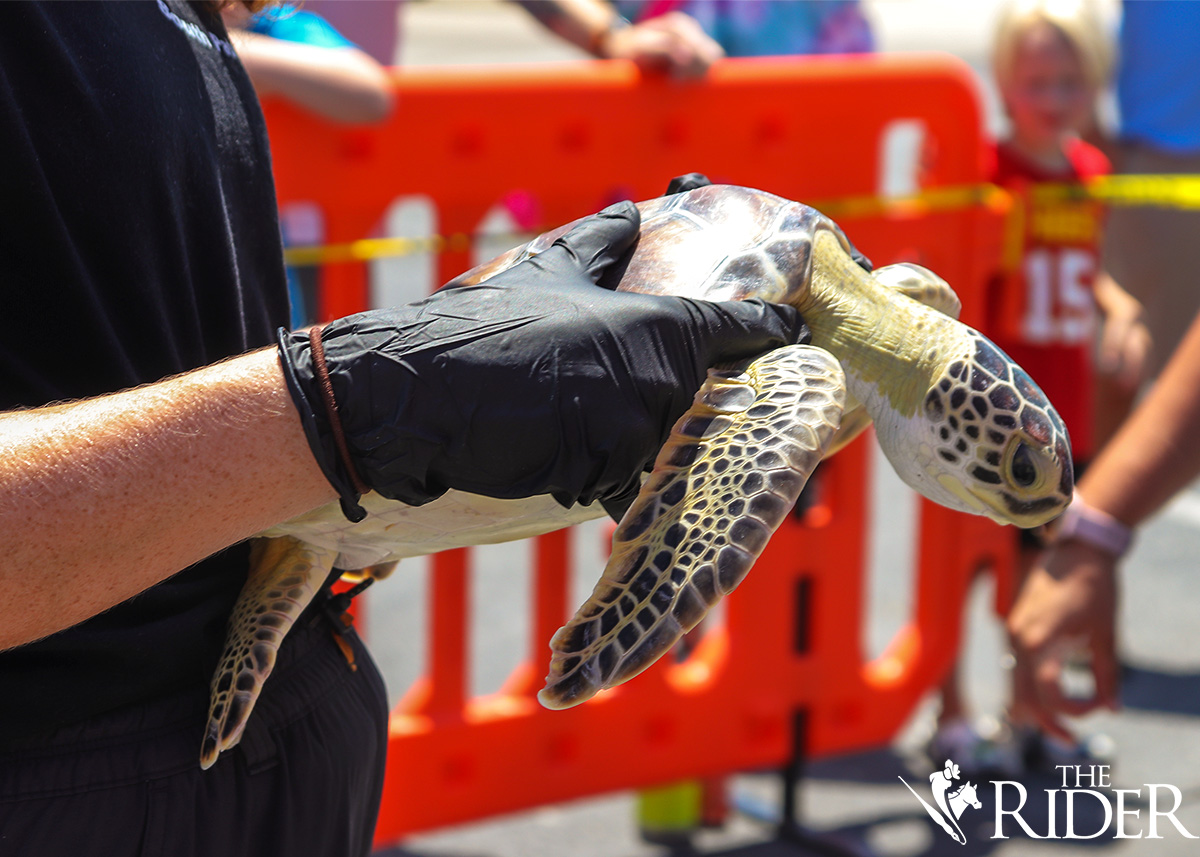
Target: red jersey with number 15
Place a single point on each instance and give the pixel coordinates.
(1042, 310)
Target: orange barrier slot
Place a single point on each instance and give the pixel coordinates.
(574, 138)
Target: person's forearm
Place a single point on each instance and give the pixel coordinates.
(1155, 453)
(673, 43)
(583, 23)
(101, 499)
(1112, 299)
(343, 84)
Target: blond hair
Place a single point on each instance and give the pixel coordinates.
(1078, 21)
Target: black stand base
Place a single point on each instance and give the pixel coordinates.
(790, 830)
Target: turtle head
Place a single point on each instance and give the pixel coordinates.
(993, 445)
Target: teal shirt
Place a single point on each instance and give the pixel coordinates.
(290, 24)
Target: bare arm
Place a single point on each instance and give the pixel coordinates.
(1069, 600)
(1124, 338)
(673, 43)
(583, 23)
(1154, 454)
(103, 498)
(343, 84)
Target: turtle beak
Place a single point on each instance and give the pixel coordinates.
(971, 501)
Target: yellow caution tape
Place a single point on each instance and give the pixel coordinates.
(373, 248)
(1161, 191)
(950, 198)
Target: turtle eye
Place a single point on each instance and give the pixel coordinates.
(1024, 470)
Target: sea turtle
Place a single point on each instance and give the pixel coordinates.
(959, 421)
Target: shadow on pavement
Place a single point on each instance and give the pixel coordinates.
(1088, 819)
(873, 766)
(883, 768)
(1162, 691)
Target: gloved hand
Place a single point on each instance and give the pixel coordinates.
(536, 381)
(691, 181)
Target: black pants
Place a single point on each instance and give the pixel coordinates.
(305, 780)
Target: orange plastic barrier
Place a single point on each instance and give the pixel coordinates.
(575, 138)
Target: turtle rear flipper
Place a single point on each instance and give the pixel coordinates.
(730, 471)
(285, 574)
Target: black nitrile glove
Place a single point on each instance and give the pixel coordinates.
(691, 181)
(536, 381)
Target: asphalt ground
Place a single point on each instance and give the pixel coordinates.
(856, 802)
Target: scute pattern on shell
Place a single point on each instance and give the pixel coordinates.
(715, 243)
(731, 470)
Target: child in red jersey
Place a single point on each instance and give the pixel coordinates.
(1051, 60)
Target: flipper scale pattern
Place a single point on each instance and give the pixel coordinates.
(730, 471)
(285, 576)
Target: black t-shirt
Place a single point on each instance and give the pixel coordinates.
(138, 239)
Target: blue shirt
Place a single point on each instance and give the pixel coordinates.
(1158, 85)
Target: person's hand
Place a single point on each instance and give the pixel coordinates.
(1124, 348)
(1066, 607)
(673, 44)
(536, 381)
(1125, 339)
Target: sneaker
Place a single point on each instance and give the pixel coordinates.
(1043, 753)
(978, 752)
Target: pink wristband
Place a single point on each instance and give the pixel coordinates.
(1089, 525)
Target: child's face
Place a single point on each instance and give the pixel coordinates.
(1048, 95)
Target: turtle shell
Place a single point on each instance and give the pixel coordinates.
(718, 242)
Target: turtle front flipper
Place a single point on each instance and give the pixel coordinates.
(285, 574)
(730, 471)
(920, 284)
